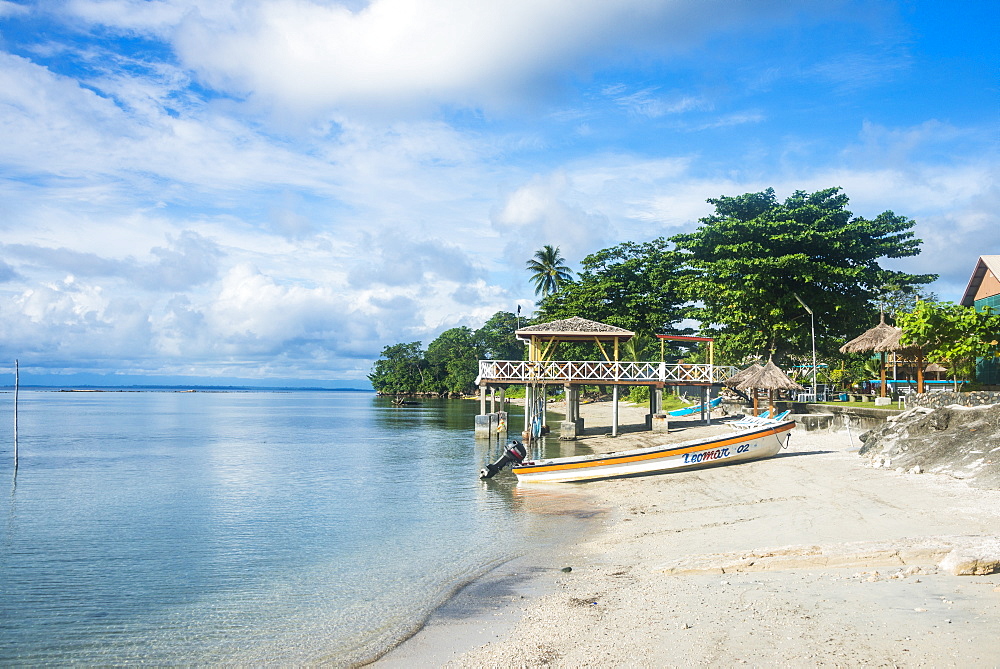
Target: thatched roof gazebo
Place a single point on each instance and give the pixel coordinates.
(543, 338)
(868, 341)
(766, 377)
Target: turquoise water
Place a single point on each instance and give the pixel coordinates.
(242, 527)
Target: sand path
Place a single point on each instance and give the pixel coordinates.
(806, 559)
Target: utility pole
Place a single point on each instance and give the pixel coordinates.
(812, 323)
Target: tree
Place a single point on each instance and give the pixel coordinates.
(754, 254)
(636, 286)
(548, 271)
(453, 360)
(952, 333)
(400, 370)
(496, 338)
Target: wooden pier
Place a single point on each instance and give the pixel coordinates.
(541, 370)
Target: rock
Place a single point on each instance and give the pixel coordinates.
(962, 562)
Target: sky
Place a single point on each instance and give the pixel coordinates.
(274, 190)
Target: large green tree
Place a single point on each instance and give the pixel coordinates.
(497, 340)
(754, 254)
(400, 370)
(453, 360)
(636, 286)
(548, 272)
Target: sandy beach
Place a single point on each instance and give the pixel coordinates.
(810, 558)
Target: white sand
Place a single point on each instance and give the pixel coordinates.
(805, 559)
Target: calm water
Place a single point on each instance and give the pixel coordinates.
(172, 528)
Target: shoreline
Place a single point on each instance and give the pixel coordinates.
(806, 558)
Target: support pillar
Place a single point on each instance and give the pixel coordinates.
(706, 415)
(614, 411)
(528, 408)
(482, 399)
(572, 426)
(655, 405)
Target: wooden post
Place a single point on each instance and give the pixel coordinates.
(881, 357)
(920, 370)
(17, 383)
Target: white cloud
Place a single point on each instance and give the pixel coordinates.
(307, 56)
(545, 211)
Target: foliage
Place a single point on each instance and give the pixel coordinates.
(450, 363)
(636, 286)
(400, 370)
(898, 299)
(548, 271)
(952, 333)
(639, 395)
(497, 340)
(452, 359)
(754, 254)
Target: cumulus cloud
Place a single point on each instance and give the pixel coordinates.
(542, 212)
(390, 54)
(188, 260)
(7, 273)
(394, 258)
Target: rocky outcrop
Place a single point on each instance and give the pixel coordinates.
(961, 441)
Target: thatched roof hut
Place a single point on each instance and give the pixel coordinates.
(575, 328)
(543, 338)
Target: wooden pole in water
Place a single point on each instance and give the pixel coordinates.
(16, 386)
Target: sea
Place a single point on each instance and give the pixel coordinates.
(247, 527)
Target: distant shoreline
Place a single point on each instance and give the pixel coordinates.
(180, 388)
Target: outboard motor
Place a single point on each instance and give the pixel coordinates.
(515, 452)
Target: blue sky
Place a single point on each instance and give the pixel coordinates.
(275, 190)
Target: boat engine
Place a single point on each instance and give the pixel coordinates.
(515, 452)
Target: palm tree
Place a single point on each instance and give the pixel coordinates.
(548, 271)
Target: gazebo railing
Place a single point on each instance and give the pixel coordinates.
(570, 371)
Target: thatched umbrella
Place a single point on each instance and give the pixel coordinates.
(737, 378)
(769, 378)
(934, 367)
(893, 343)
(868, 341)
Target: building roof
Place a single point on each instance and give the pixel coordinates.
(575, 328)
(991, 263)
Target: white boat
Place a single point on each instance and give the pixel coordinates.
(752, 444)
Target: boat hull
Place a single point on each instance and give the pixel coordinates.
(753, 444)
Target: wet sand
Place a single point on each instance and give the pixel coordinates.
(809, 558)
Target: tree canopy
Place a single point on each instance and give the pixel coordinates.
(754, 254)
(636, 286)
(449, 365)
(952, 333)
